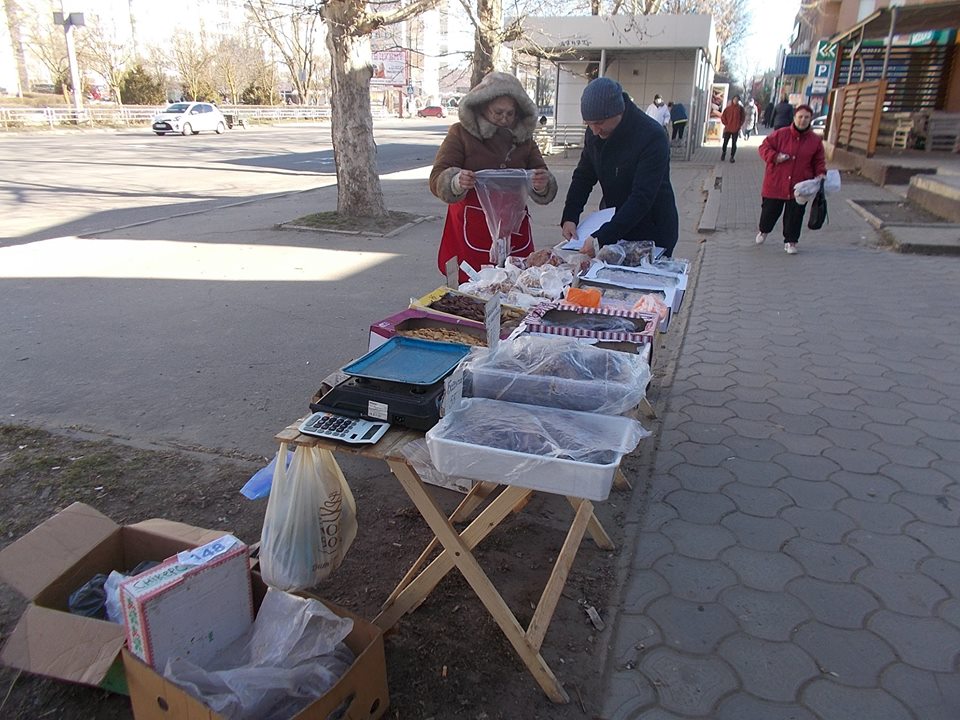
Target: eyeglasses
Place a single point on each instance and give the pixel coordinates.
(501, 114)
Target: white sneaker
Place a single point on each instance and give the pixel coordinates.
(790, 248)
(761, 236)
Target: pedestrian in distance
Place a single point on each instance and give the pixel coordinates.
(782, 114)
(627, 152)
(792, 154)
(768, 115)
(678, 119)
(750, 112)
(659, 112)
(497, 121)
(732, 119)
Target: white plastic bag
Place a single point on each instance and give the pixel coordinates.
(310, 522)
(805, 190)
(832, 182)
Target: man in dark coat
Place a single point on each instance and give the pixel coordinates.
(782, 114)
(627, 152)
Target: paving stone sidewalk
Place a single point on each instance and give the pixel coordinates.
(798, 551)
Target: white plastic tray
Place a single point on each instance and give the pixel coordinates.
(509, 467)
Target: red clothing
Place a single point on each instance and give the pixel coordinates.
(465, 234)
(806, 160)
(732, 118)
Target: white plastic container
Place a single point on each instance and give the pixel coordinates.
(459, 446)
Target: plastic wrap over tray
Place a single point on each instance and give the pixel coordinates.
(542, 448)
(602, 323)
(557, 372)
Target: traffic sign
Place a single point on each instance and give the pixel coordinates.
(821, 70)
(825, 52)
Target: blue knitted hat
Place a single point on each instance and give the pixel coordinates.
(601, 99)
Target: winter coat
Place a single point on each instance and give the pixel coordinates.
(633, 169)
(806, 160)
(474, 143)
(782, 115)
(749, 116)
(732, 117)
(678, 113)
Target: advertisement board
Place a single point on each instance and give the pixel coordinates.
(389, 68)
(718, 101)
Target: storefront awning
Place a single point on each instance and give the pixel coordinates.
(796, 65)
(905, 20)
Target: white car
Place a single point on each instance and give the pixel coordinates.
(189, 118)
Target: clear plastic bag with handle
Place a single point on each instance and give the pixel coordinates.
(503, 197)
(310, 522)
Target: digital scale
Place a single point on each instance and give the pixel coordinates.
(400, 382)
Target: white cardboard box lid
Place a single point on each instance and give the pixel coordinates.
(42, 555)
(64, 646)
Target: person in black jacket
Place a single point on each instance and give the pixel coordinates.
(628, 153)
(782, 114)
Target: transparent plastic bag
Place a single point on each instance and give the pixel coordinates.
(629, 253)
(503, 197)
(258, 486)
(832, 182)
(292, 655)
(310, 522)
(542, 448)
(557, 372)
(805, 190)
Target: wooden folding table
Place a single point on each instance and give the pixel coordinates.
(457, 548)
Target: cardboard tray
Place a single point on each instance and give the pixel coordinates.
(361, 693)
(511, 315)
(416, 319)
(645, 323)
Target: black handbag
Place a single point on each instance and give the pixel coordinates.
(818, 210)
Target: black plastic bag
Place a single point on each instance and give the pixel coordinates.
(818, 209)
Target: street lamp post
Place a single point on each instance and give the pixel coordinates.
(69, 21)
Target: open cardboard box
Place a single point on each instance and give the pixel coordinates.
(57, 557)
(361, 693)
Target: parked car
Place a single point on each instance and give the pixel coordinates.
(189, 118)
(432, 111)
(819, 124)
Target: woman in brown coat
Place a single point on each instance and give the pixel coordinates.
(497, 122)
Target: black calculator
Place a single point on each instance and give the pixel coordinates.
(341, 427)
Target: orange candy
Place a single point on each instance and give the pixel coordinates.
(584, 297)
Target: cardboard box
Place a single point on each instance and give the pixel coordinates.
(362, 690)
(192, 605)
(56, 558)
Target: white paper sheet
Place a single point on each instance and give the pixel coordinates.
(587, 226)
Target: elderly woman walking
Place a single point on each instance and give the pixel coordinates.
(496, 128)
(792, 154)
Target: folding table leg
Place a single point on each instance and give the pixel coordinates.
(597, 533)
(406, 599)
(473, 499)
(477, 579)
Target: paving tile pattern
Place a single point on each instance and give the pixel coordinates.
(798, 555)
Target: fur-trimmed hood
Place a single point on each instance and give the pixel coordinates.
(494, 85)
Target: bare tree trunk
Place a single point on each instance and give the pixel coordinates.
(487, 43)
(16, 40)
(359, 193)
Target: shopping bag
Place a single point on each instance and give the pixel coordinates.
(818, 209)
(310, 523)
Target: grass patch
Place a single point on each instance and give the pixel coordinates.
(348, 223)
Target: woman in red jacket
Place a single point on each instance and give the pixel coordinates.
(792, 154)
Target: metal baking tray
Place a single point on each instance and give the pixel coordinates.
(409, 360)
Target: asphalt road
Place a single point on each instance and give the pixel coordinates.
(55, 184)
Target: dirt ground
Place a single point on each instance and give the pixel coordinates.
(448, 659)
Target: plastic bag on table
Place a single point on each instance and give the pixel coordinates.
(542, 431)
(557, 372)
(310, 522)
(292, 655)
(612, 254)
(491, 281)
(628, 253)
(503, 197)
(545, 281)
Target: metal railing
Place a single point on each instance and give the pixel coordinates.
(20, 117)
